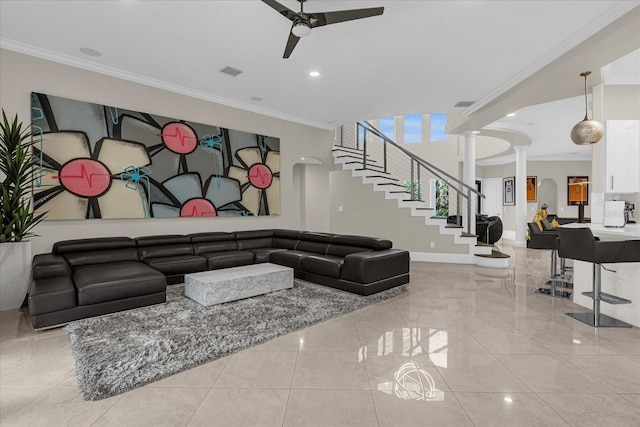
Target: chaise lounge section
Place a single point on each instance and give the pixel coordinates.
(90, 277)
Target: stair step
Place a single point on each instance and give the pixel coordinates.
(464, 234)
(369, 165)
(373, 170)
(398, 192)
(379, 176)
(452, 225)
(392, 183)
(482, 243)
(494, 254)
(353, 156)
(347, 149)
(425, 209)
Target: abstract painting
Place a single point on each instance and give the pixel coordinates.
(97, 161)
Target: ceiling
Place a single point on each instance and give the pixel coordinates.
(419, 57)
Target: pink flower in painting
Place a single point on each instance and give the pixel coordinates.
(259, 180)
(74, 183)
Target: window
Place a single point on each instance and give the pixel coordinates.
(387, 127)
(412, 128)
(438, 126)
(440, 197)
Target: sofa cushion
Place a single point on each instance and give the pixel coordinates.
(152, 252)
(94, 244)
(115, 281)
(226, 259)
(287, 234)
(263, 242)
(51, 294)
(372, 266)
(343, 250)
(97, 250)
(285, 243)
(263, 254)
(253, 234)
(309, 236)
(215, 236)
(365, 242)
(318, 248)
(161, 240)
(76, 259)
(324, 265)
(288, 258)
(179, 264)
(208, 247)
(49, 265)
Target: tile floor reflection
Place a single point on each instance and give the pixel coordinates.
(465, 346)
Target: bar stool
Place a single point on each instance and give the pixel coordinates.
(580, 244)
(547, 240)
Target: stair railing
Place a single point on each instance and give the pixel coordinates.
(397, 161)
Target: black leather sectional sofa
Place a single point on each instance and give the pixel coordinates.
(90, 277)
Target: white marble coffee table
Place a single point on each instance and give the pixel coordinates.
(230, 284)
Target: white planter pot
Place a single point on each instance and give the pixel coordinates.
(15, 274)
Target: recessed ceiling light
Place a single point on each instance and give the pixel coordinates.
(314, 74)
(90, 52)
(475, 132)
(257, 98)
(511, 115)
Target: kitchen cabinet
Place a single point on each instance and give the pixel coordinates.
(622, 153)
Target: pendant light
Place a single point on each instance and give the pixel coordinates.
(587, 131)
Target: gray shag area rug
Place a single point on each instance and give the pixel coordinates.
(121, 351)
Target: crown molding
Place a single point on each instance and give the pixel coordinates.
(155, 83)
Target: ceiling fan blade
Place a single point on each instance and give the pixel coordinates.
(283, 10)
(291, 44)
(326, 18)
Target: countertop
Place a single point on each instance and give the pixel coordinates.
(628, 232)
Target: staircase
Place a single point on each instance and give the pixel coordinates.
(377, 161)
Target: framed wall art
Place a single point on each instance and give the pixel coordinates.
(98, 161)
(578, 190)
(509, 191)
(532, 189)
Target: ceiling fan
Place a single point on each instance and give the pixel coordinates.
(304, 22)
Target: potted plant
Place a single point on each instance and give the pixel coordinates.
(18, 219)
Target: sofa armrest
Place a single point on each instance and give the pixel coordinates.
(371, 266)
(49, 265)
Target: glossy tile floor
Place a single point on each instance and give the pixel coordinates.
(466, 346)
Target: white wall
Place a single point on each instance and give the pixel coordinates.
(556, 171)
(368, 213)
(21, 74)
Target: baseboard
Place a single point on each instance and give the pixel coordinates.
(440, 257)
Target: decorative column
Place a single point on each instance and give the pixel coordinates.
(469, 178)
(521, 196)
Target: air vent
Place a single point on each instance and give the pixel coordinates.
(230, 71)
(464, 104)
